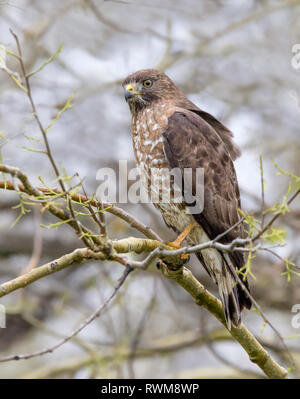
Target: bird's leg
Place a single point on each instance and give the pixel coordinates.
(177, 243)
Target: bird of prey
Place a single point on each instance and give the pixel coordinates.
(169, 131)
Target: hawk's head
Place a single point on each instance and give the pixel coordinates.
(146, 86)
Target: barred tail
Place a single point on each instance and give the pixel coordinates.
(233, 297)
(229, 296)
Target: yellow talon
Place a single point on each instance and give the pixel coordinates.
(177, 243)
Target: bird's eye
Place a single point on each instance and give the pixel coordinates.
(147, 83)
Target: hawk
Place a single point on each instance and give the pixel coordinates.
(169, 131)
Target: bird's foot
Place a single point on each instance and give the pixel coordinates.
(179, 240)
(185, 257)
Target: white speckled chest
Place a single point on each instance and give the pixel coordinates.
(147, 129)
(148, 143)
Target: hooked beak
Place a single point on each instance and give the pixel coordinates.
(130, 92)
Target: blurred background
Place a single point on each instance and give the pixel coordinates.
(234, 60)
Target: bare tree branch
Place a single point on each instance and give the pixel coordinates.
(98, 312)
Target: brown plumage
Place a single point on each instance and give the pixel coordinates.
(169, 131)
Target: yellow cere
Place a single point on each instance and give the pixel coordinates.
(129, 87)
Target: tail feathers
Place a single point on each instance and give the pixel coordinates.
(245, 301)
(229, 294)
(233, 297)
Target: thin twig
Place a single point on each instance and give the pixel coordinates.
(262, 192)
(110, 208)
(99, 218)
(97, 313)
(138, 334)
(275, 217)
(87, 241)
(29, 189)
